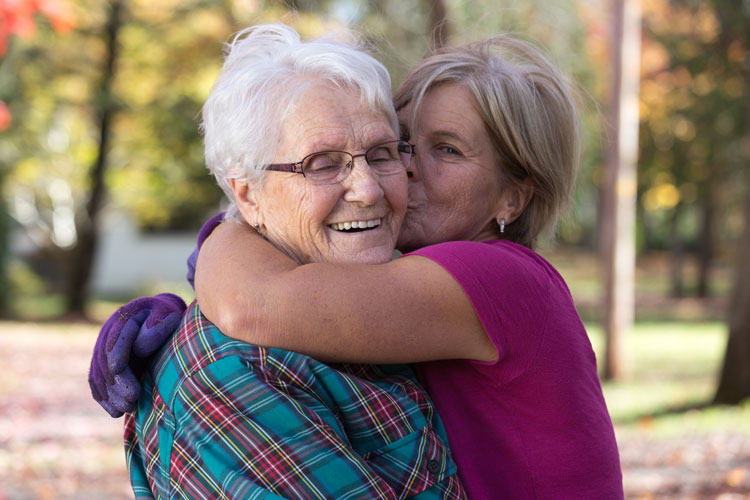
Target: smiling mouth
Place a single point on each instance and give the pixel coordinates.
(355, 226)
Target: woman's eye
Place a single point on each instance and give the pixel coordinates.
(449, 150)
(380, 154)
(321, 162)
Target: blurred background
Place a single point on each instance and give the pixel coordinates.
(104, 188)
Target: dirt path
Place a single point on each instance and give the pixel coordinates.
(56, 443)
(701, 467)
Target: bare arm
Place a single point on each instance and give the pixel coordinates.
(408, 310)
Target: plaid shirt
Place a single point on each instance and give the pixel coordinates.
(218, 418)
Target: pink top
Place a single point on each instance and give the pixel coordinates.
(533, 424)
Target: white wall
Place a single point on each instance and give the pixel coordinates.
(129, 260)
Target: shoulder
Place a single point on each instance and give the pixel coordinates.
(510, 288)
(492, 251)
(198, 349)
(196, 344)
(495, 266)
(200, 355)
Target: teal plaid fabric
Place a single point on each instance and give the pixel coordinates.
(219, 418)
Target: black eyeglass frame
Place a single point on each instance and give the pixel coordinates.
(296, 167)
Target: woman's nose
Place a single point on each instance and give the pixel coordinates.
(362, 184)
(412, 169)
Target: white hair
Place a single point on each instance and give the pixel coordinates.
(266, 69)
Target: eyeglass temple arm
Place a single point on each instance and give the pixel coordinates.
(295, 168)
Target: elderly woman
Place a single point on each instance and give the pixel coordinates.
(303, 136)
(490, 323)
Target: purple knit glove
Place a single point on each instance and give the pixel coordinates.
(139, 327)
(205, 232)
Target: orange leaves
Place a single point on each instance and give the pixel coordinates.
(5, 118)
(737, 476)
(59, 13)
(17, 18)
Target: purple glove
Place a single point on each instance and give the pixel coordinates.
(205, 232)
(139, 327)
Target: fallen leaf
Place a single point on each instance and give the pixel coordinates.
(736, 476)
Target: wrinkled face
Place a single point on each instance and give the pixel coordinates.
(454, 190)
(308, 221)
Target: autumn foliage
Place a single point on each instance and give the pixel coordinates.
(17, 17)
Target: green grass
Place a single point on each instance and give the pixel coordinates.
(672, 370)
(674, 353)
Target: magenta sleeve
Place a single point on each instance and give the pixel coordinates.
(508, 285)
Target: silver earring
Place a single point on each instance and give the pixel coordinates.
(256, 226)
(502, 225)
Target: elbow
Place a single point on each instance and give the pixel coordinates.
(226, 317)
(236, 319)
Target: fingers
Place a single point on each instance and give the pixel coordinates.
(109, 331)
(118, 355)
(126, 389)
(117, 321)
(108, 407)
(96, 382)
(118, 397)
(150, 339)
(135, 330)
(164, 305)
(122, 396)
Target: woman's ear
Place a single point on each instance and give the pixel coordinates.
(515, 201)
(246, 199)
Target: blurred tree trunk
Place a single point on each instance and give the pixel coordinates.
(439, 29)
(734, 382)
(9, 93)
(706, 238)
(677, 249)
(83, 254)
(4, 253)
(619, 190)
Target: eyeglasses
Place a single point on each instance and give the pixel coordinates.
(329, 167)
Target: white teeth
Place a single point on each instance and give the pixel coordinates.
(355, 224)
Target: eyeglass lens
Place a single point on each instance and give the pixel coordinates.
(332, 166)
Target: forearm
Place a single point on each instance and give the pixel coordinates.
(408, 310)
(233, 267)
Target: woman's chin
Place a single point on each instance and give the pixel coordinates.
(371, 246)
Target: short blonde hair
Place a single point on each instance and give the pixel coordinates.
(529, 111)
